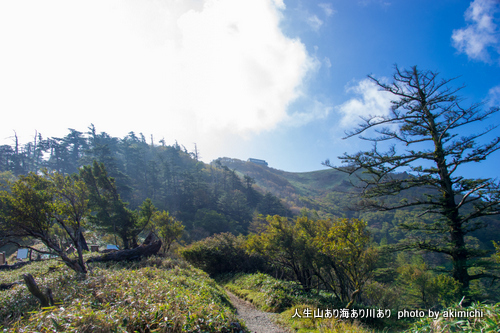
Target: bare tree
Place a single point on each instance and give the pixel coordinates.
(425, 128)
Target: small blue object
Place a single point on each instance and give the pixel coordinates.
(22, 253)
(111, 247)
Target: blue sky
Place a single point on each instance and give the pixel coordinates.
(272, 79)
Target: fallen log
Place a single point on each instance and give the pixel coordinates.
(7, 286)
(14, 266)
(130, 254)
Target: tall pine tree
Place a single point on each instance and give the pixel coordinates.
(426, 125)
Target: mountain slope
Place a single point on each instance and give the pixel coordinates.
(302, 183)
(323, 191)
(329, 193)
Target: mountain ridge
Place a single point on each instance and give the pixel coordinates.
(330, 194)
(298, 189)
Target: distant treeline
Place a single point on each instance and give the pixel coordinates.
(208, 199)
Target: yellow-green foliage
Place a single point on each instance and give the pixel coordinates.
(336, 251)
(273, 295)
(285, 297)
(422, 287)
(496, 255)
(490, 322)
(319, 325)
(347, 242)
(167, 227)
(154, 295)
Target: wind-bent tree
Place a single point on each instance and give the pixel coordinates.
(110, 212)
(35, 203)
(426, 126)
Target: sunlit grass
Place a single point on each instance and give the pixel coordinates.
(153, 295)
(489, 322)
(272, 294)
(287, 298)
(321, 325)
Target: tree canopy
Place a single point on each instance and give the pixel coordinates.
(193, 192)
(110, 212)
(336, 253)
(35, 204)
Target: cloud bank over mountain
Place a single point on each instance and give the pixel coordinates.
(195, 71)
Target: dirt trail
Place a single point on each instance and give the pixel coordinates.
(256, 320)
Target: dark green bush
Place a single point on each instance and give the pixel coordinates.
(223, 253)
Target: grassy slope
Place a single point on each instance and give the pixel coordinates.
(285, 298)
(301, 183)
(317, 190)
(330, 193)
(153, 295)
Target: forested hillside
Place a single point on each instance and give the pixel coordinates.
(299, 190)
(207, 199)
(331, 193)
(224, 196)
(236, 217)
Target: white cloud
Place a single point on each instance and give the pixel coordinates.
(314, 22)
(481, 34)
(327, 8)
(191, 70)
(316, 110)
(370, 101)
(327, 62)
(280, 4)
(494, 96)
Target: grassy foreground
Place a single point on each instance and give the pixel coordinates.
(287, 299)
(284, 298)
(152, 295)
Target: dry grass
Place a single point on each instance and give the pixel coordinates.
(153, 295)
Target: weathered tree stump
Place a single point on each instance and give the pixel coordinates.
(45, 299)
(130, 254)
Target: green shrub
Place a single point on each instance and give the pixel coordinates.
(382, 296)
(490, 322)
(222, 253)
(447, 289)
(275, 295)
